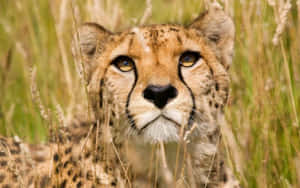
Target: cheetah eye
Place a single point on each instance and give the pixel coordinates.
(189, 58)
(123, 63)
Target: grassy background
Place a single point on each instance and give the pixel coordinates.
(264, 106)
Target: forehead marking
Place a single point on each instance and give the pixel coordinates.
(179, 39)
(141, 39)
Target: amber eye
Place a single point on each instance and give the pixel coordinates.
(123, 63)
(189, 58)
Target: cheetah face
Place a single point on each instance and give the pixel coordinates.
(165, 79)
(150, 74)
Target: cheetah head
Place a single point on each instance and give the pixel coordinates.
(164, 79)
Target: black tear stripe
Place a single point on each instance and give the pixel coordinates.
(192, 113)
(101, 93)
(129, 116)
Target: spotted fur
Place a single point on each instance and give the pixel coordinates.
(93, 154)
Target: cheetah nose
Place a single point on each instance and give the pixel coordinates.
(160, 95)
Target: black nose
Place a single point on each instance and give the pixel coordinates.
(160, 95)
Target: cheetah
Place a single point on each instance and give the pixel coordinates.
(148, 85)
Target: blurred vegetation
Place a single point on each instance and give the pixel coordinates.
(264, 107)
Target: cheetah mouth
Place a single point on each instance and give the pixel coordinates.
(158, 118)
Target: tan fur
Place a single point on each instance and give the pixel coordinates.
(94, 156)
(70, 161)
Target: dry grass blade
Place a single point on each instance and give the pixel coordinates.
(298, 10)
(35, 94)
(281, 14)
(6, 65)
(182, 142)
(272, 2)
(122, 165)
(168, 176)
(297, 165)
(262, 145)
(213, 160)
(289, 80)
(147, 12)
(5, 69)
(190, 171)
(60, 116)
(106, 13)
(79, 64)
(60, 22)
(232, 182)
(282, 20)
(232, 146)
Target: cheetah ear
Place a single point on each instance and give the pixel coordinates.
(88, 41)
(218, 28)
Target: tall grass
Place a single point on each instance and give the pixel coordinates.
(262, 134)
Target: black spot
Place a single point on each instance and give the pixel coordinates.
(71, 158)
(79, 184)
(3, 163)
(179, 39)
(89, 175)
(6, 186)
(211, 71)
(214, 37)
(96, 159)
(45, 181)
(98, 148)
(70, 172)
(2, 154)
(66, 164)
(57, 170)
(87, 155)
(14, 177)
(217, 87)
(63, 184)
(3, 140)
(225, 178)
(207, 91)
(68, 150)
(173, 29)
(55, 157)
(80, 174)
(211, 138)
(2, 177)
(92, 51)
(221, 164)
(75, 178)
(113, 183)
(111, 123)
(108, 169)
(217, 105)
(16, 144)
(14, 151)
(113, 113)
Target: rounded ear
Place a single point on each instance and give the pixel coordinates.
(88, 42)
(218, 28)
